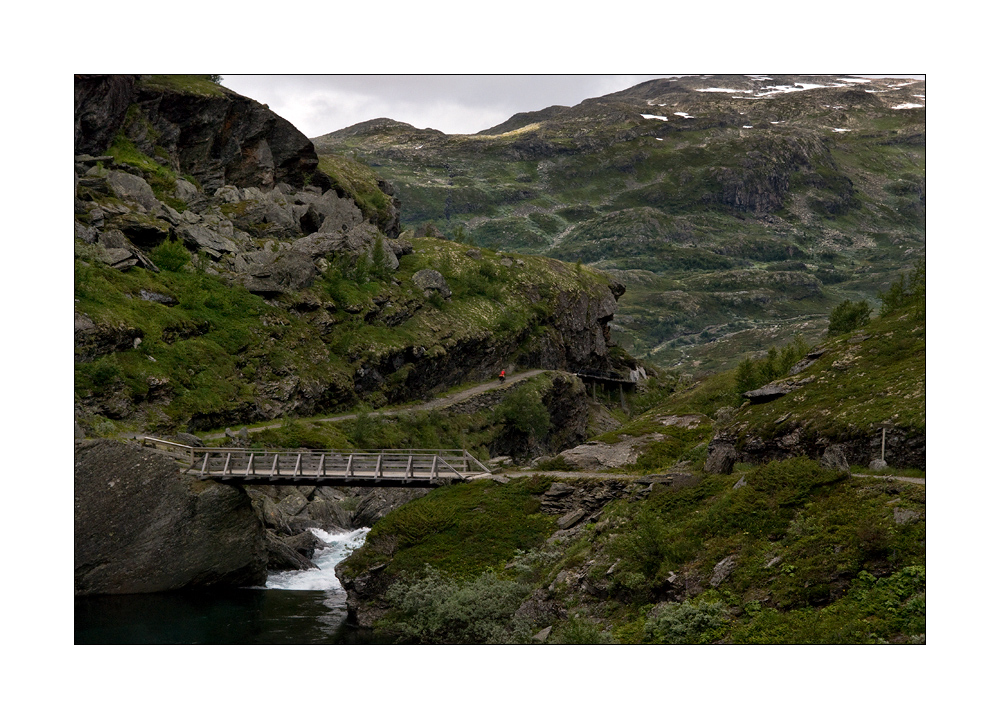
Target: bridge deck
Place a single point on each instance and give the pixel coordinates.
(381, 468)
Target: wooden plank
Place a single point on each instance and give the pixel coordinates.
(250, 469)
(275, 470)
(319, 470)
(204, 464)
(378, 467)
(298, 463)
(225, 469)
(434, 465)
(409, 468)
(347, 471)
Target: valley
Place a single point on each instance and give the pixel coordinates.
(708, 296)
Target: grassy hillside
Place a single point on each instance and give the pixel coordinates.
(670, 185)
(785, 549)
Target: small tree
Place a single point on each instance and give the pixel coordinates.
(747, 377)
(906, 290)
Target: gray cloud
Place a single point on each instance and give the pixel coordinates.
(318, 104)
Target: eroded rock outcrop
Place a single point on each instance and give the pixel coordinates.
(141, 526)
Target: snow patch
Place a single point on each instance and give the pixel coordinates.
(779, 89)
(720, 89)
(859, 80)
(684, 115)
(748, 127)
(907, 106)
(840, 129)
(654, 117)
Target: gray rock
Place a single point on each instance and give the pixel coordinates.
(431, 280)
(722, 570)
(185, 191)
(904, 516)
(189, 439)
(228, 194)
(877, 464)
(157, 297)
(600, 455)
(474, 254)
(741, 483)
(119, 258)
(85, 233)
(289, 271)
(807, 361)
(543, 635)
(571, 518)
(768, 393)
(140, 526)
(282, 555)
(199, 237)
(721, 459)
(835, 458)
(133, 188)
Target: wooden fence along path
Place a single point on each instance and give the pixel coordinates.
(328, 468)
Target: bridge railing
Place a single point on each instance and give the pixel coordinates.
(281, 462)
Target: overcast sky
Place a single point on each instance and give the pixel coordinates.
(455, 104)
(318, 104)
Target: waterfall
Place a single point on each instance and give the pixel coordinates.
(323, 578)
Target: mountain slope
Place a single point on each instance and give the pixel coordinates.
(673, 183)
(224, 274)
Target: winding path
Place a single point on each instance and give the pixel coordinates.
(438, 403)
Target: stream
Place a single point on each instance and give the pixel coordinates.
(294, 607)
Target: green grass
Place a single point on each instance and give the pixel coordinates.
(361, 184)
(188, 84)
(462, 529)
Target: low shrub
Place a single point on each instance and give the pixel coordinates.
(686, 623)
(439, 609)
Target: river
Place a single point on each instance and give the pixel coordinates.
(298, 607)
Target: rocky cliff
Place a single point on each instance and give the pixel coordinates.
(141, 526)
(197, 127)
(223, 277)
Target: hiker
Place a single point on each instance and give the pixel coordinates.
(503, 375)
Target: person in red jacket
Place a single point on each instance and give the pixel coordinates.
(503, 375)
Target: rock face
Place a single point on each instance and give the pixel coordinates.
(99, 106)
(141, 526)
(255, 213)
(599, 455)
(219, 138)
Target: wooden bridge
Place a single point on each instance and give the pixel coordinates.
(328, 468)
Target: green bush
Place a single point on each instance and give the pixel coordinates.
(438, 609)
(686, 623)
(581, 631)
(170, 255)
(522, 410)
(849, 316)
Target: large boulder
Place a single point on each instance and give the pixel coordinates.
(431, 281)
(133, 188)
(721, 459)
(142, 526)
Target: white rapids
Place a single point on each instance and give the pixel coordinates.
(323, 578)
